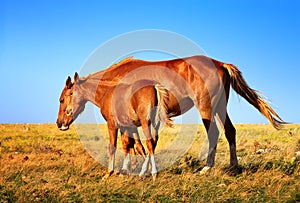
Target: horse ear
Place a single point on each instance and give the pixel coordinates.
(69, 82)
(76, 77)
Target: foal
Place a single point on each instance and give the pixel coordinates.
(124, 107)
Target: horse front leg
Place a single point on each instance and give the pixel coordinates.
(112, 130)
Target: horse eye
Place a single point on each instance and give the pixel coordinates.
(62, 101)
(71, 93)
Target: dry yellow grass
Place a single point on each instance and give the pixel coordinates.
(39, 163)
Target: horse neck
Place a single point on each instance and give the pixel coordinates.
(94, 91)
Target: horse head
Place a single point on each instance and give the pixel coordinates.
(72, 103)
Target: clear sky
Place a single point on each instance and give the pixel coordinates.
(42, 42)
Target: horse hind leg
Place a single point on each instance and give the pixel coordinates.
(207, 107)
(213, 136)
(154, 132)
(150, 157)
(230, 134)
(127, 144)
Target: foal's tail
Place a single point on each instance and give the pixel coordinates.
(162, 108)
(239, 84)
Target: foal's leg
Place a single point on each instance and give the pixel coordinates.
(132, 152)
(138, 144)
(130, 137)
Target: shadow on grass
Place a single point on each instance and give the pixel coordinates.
(193, 165)
(287, 167)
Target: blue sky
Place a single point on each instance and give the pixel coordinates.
(42, 42)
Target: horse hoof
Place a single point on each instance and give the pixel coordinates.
(123, 172)
(142, 177)
(117, 171)
(107, 175)
(206, 170)
(233, 170)
(154, 176)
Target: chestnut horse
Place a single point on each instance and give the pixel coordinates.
(142, 103)
(195, 81)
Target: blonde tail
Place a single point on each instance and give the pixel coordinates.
(239, 84)
(162, 108)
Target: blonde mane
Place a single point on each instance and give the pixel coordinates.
(98, 75)
(122, 62)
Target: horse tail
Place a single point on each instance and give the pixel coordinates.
(239, 84)
(162, 108)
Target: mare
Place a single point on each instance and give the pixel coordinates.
(141, 103)
(194, 81)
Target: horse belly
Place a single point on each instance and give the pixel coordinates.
(176, 108)
(127, 118)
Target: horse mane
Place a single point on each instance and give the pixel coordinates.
(98, 75)
(95, 79)
(122, 62)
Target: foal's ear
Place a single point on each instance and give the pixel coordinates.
(69, 82)
(76, 77)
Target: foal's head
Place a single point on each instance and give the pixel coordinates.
(71, 103)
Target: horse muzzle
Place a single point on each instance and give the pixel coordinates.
(61, 125)
(63, 128)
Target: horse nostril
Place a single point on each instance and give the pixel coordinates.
(69, 111)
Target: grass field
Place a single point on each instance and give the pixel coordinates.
(39, 163)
